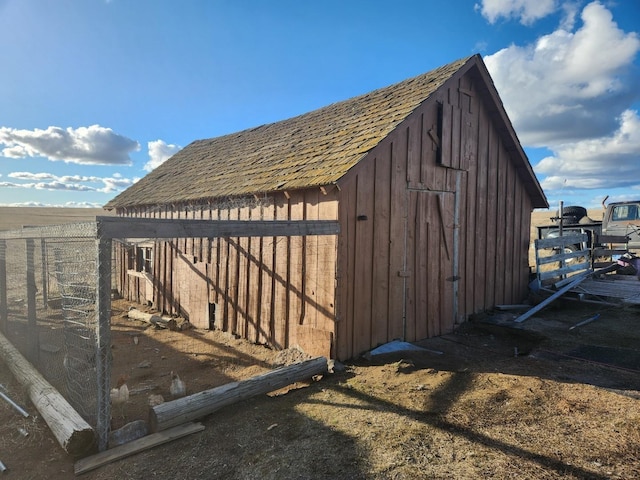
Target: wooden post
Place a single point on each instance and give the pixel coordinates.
(198, 405)
(73, 433)
(45, 277)
(33, 342)
(3, 286)
(103, 339)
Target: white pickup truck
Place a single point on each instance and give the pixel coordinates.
(620, 219)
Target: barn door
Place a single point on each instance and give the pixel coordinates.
(429, 289)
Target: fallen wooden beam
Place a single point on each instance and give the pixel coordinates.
(145, 443)
(198, 405)
(73, 433)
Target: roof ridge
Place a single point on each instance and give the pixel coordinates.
(389, 87)
(311, 149)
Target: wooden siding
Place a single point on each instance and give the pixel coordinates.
(434, 226)
(397, 275)
(278, 291)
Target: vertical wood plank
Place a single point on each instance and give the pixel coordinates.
(410, 274)
(159, 275)
(446, 159)
(222, 285)
(500, 225)
(434, 249)
(413, 132)
(398, 224)
(266, 299)
(469, 140)
(446, 272)
(481, 282)
(460, 201)
(164, 289)
(456, 124)
(242, 304)
(468, 216)
(512, 234)
(234, 276)
(213, 255)
(381, 244)
(280, 274)
(296, 284)
(254, 280)
(523, 220)
(198, 295)
(310, 261)
(492, 192)
(422, 254)
(439, 176)
(346, 265)
(363, 266)
(327, 251)
(430, 147)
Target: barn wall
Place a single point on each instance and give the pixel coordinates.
(434, 227)
(404, 269)
(272, 290)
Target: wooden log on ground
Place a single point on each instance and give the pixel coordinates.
(153, 319)
(73, 433)
(198, 405)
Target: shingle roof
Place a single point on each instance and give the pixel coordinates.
(313, 149)
(309, 150)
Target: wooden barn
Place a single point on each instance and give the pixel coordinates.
(430, 187)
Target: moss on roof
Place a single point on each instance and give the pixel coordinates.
(313, 149)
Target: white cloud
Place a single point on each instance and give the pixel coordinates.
(49, 205)
(569, 85)
(571, 11)
(78, 183)
(52, 185)
(605, 162)
(527, 11)
(94, 145)
(116, 184)
(159, 152)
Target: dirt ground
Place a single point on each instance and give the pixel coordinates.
(469, 406)
(544, 401)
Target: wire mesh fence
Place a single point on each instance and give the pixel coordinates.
(257, 282)
(50, 314)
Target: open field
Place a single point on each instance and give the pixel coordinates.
(484, 402)
(12, 218)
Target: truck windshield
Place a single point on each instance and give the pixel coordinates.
(625, 212)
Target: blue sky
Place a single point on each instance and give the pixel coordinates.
(96, 93)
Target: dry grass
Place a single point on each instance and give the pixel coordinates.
(475, 411)
(12, 218)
